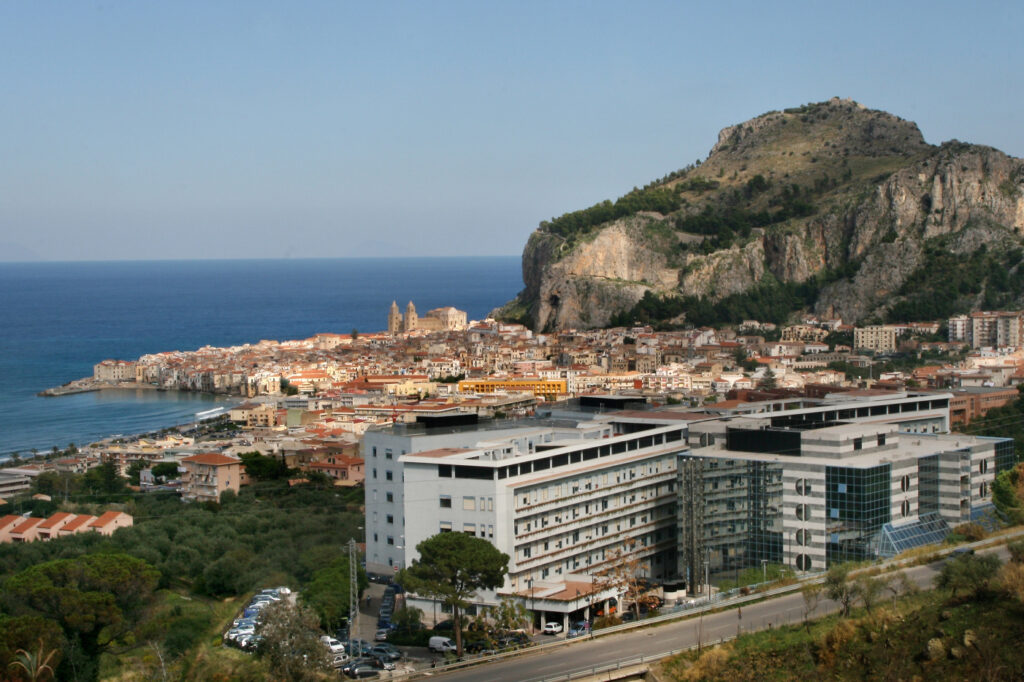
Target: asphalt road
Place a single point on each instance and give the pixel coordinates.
(581, 654)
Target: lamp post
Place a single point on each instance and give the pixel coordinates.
(533, 616)
(764, 570)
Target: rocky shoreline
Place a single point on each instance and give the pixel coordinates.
(88, 385)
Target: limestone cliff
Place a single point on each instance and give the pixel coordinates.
(830, 194)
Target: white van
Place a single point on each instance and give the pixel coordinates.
(441, 644)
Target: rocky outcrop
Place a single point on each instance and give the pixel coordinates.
(878, 191)
(595, 279)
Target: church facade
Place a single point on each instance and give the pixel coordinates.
(438, 319)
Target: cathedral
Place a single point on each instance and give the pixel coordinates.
(438, 319)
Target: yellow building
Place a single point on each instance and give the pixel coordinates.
(548, 389)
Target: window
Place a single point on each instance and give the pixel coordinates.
(469, 528)
(390, 518)
(391, 497)
(374, 451)
(469, 504)
(983, 466)
(983, 490)
(375, 472)
(446, 526)
(881, 439)
(905, 483)
(391, 540)
(388, 476)
(858, 443)
(446, 501)
(387, 454)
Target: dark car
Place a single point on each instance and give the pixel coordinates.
(445, 625)
(362, 667)
(386, 651)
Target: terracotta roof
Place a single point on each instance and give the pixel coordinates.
(80, 520)
(27, 525)
(8, 520)
(105, 518)
(55, 519)
(212, 459)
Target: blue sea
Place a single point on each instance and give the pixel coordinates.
(59, 319)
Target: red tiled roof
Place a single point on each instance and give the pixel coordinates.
(105, 519)
(55, 519)
(81, 520)
(212, 459)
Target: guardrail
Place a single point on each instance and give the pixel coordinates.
(679, 614)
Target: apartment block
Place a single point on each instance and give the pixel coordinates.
(877, 338)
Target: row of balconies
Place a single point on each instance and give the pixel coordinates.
(598, 517)
(607, 492)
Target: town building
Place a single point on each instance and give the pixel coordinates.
(985, 329)
(548, 389)
(856, 477)
(438, 319)
(557, 496)
(206, 475)
(881, 339)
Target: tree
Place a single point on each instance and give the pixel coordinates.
(869, 590)
(838, 587)
(95, 599)
(328, 592)
(968, 573)
(452, 567)
(769, 381)
(165, 471)
(622, 573)
(260, 467)
(812, 597)
(290, 644)
(510, 614)
(407, 619)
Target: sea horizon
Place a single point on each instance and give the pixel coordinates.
(66, 316)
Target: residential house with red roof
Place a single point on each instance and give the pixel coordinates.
(205, 476)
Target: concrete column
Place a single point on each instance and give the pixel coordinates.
(543, 619)
(565, 623)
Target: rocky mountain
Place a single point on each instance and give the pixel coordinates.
(829, 207)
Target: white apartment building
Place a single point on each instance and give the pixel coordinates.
(877, 338)
(555, 499)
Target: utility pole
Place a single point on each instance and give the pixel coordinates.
(353, 594)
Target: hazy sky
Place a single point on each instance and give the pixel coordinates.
(137, 130)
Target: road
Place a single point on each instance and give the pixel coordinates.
(655, 641)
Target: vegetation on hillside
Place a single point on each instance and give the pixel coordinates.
(190, 558)
(948, 283)
(967, 628)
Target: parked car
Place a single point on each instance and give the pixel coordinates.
(361, 671)
(381, 635)
(552, 628)
(445, 625)
(386, 651)
(337, 660)
(334, 645)
(440, 644)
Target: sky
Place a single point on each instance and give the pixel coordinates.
(159, 130)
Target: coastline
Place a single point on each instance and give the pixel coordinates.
(88, 385)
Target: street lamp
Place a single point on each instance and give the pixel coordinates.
(764, 570)
(533, 616)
